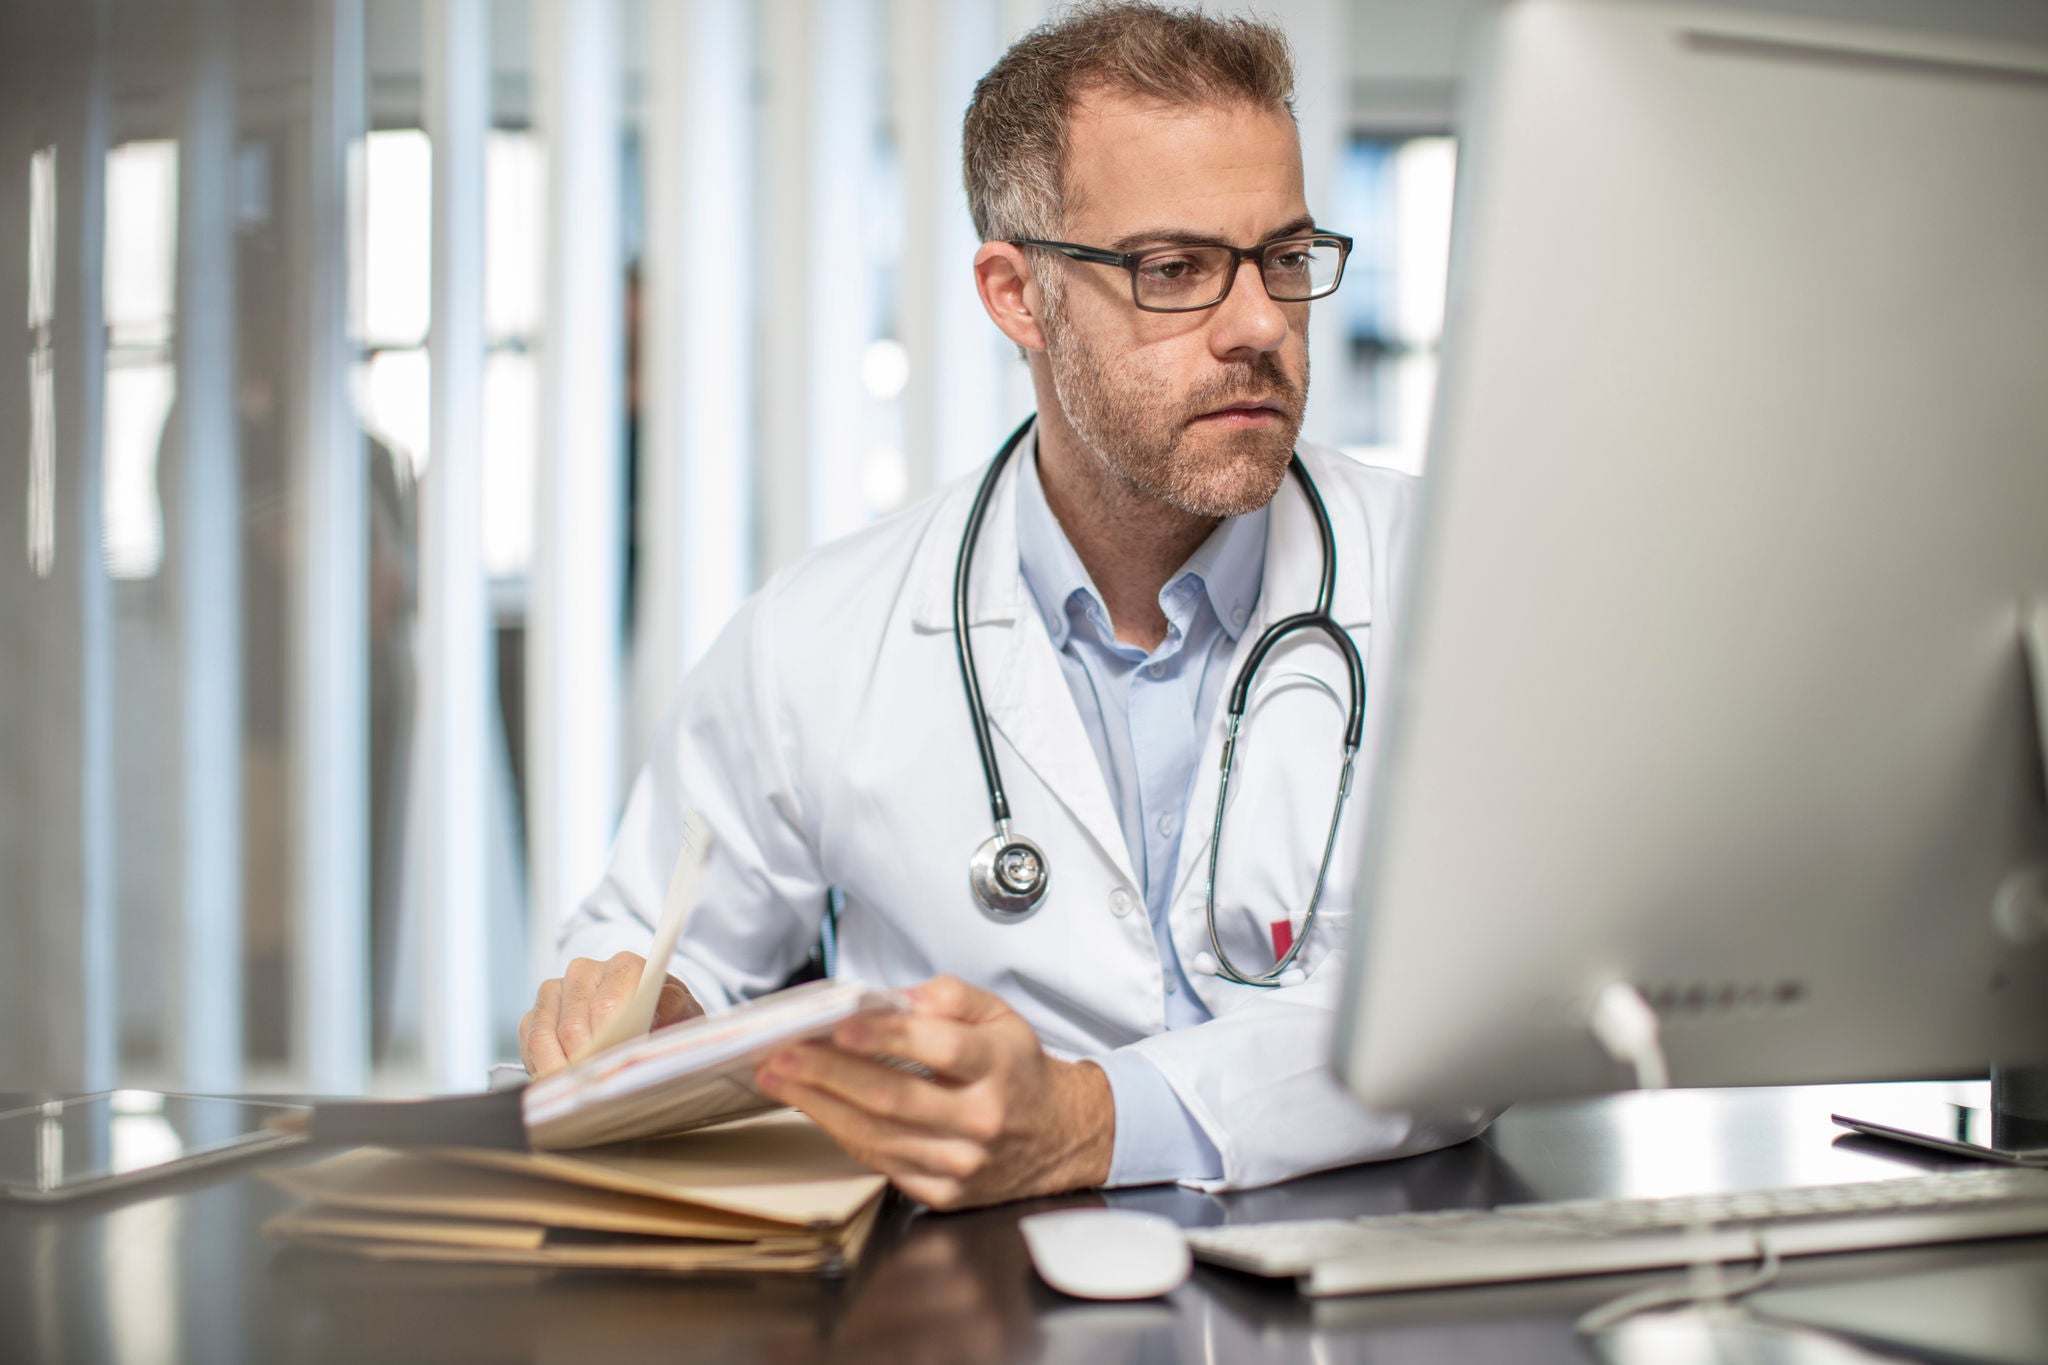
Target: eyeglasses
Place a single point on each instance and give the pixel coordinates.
(1186, 279)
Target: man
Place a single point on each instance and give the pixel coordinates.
(1132, 550)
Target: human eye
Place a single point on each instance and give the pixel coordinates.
(1289, 258)
(1170, 267)
(1178, 276)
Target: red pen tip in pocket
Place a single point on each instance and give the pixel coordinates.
(1283, 938)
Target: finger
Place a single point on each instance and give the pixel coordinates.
(675, 1004)
(617, 980)
(878, 1143)
(572, 1024)
(539, 1047)
(884, 1092)
(956, 1050)
(537, 1020)
(951, 998)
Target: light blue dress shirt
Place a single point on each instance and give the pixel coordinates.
(1146, 716)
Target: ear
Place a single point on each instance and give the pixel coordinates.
(1009, 292)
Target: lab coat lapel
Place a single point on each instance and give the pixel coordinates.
(1026, 694)
(1030, 702)
(1291, 575)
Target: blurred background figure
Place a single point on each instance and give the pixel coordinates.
(396, 396)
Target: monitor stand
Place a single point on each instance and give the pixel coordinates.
(2012, 1129)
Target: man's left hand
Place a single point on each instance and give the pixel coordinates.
(998, 1119)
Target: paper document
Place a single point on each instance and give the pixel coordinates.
(679, 1078)
(689, 1074)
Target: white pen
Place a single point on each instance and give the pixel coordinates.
(637, 1015)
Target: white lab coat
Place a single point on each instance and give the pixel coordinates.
(826, 740)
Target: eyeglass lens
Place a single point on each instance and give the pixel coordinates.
(1197, 276)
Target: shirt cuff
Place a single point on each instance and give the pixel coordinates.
(1157, 1140)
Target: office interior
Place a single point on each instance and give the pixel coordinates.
(409, 392)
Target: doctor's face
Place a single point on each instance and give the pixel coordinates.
(1199, 410)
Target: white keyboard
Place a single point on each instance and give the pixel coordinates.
(1598, 1236)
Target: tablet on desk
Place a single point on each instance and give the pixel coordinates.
(85, 1144)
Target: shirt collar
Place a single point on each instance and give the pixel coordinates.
(1053, 573)
(1228, 566)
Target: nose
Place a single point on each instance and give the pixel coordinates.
(1247, 322)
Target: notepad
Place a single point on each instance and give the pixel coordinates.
(676, 1079)
(690, 1074)
(629, 1083)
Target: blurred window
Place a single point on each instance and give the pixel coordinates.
(515, 244)
(396, 269)
(140, 304)
(885, 361)
(394, 266)
(394, 389)
(1394, 198)
(42, 362)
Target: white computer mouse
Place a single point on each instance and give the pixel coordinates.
(1107, 1253)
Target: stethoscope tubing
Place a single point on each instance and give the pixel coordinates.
(1318, 619)
(970, 679)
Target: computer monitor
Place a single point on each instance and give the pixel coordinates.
(1713, 674)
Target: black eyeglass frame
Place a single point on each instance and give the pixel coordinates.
(1128, 261)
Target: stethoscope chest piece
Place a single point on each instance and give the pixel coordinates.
(1008, 876)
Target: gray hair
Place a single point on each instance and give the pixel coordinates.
(1014, 142)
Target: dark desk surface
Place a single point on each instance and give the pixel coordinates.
(185, 1276)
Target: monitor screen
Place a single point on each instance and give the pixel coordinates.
(1713, 674)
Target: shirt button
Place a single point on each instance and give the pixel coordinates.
(1237, 615)
(1172, 986)
(1154, 670)
(1121, 902)
(1166, 826)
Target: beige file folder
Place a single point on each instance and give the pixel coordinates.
(765, 1193)
(372, 1181)
(779, 1167)
(392, 1237)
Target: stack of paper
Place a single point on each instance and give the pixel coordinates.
(770, 1192)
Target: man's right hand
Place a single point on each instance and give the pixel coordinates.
(573, 1006)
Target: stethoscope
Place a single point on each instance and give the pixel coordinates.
(1009, 874)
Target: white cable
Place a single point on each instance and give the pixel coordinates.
(1626, 1027)
(1607, 1315)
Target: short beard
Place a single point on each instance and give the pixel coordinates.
(1138, 430)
